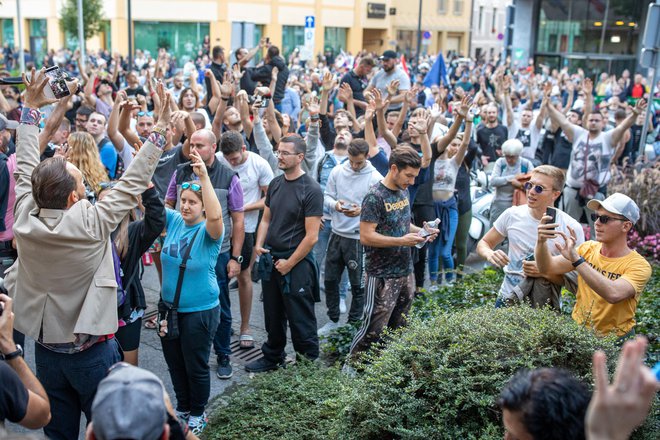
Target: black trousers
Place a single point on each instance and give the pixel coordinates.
(344, 253)
(296, 307)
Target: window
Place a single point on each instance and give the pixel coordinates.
(493, 26)
(246, 35)
(38, 32)
(458, 7)
(8, 32)
(334, 40)
(442, 6)
(182, 40)
(292, 37)
(481, 19)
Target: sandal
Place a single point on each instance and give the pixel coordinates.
(150, 323)
(246, 342)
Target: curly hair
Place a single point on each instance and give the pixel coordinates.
(183, 92)
(84, 154)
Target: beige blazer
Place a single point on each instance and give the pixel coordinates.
(63, 281)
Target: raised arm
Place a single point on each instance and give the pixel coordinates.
(326, 86)
(369, 134)
(212, 208)
(273, 126)
(558, 118)
(618, 132)
(124, 124)
(90, 97)
(241, 103)
(252, 52)
(261, 139)
(113, 122)
(346, 96)
(445, 140)
(506, 92)
(53, 122)
(465, 142)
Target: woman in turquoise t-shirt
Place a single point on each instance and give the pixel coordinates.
(187, 356)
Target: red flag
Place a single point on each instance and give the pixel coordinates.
(404, 65)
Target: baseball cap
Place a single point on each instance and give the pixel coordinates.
(389, 55)
(6, 124)
(129, 404)
(424, 66)
(619, 204)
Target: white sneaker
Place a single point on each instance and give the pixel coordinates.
(342, 306)
(326, 329)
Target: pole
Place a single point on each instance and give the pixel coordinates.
(419, 34)
(21, 53)
(647, 116)
(130, 37)
(81, 35)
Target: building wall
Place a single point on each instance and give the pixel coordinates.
(488, 23)
(447, 28)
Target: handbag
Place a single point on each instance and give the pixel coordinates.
(589, 187)
(169, 311)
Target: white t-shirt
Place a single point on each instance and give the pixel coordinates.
(599, 154)
(253, 173)
(444, 174)
(520, 227)
(528, 136)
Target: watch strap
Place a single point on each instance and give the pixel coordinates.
(579, 261)
(13, 355)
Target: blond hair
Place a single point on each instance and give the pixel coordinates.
(558, 177)
(84, 154)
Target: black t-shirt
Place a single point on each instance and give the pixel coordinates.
(139, 90)
(390, 210)
(358, 84)
(13, 395)
(290, 202)
(166, 167)
(491, 139)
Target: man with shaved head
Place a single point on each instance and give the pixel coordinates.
(491, 135)
(227, 186)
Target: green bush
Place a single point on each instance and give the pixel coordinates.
(440, 377)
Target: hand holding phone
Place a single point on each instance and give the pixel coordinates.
(552, 212)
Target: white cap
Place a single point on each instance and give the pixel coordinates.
(617, 203)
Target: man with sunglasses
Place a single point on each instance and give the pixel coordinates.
(610, 285)
(519, 224)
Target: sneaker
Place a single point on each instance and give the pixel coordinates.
(342, 306)
(326, 329)
(262, 365)
(233, 285)
(224, 370)
(197, 424)
(182, 416)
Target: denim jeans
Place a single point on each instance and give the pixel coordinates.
(442, 249)
(222, 337)
(187, 359)
(320, 250)
(70, 380)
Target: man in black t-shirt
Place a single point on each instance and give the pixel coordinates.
(491, 136)
(387, 235)
(22, 398)
(289, 274)
(358, 80)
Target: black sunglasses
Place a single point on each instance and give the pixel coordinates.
(537, 188)
(606, 218)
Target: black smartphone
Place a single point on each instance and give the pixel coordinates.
(530, 257)
(552, 212)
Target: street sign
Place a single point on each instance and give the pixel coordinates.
(307, 52)
(426, 35)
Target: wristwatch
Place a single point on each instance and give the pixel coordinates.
(238, 259)
(13, 354)
(579, 261)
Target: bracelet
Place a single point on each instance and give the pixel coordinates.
(579, 261)
(157, 137)
(224, 99)
(30, 116)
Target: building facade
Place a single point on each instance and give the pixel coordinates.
(488, 28)
(595, 35)
(348, 25)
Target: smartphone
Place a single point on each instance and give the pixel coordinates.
(57, 83)
(346, 206)
(530, 257)
(264, 102)
(552, 212)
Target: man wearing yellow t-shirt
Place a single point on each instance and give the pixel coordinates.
(612, 280)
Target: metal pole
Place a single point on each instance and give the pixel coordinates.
(647, 116)
(602, 33)
(130, 37)
(419, 34)
(81, 35)
(21, 53)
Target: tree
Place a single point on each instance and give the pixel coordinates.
(92, 17)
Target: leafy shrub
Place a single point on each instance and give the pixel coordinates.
(648, 246)
(439, 378)
(640, 182)
(338, 342)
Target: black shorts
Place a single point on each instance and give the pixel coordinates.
(246, 251)
(128, 336)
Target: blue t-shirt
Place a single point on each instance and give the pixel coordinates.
(380, 162)
(200, 286)
(108, 157)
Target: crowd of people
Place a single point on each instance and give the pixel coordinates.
(349, 176)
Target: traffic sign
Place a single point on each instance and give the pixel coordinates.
(307, 53)
(309, 21)
(426, 35)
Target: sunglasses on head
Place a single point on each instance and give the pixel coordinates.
(606, 218)
(192, 186)
(141, 113)
(537, 188)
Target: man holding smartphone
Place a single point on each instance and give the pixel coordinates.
(519, 224)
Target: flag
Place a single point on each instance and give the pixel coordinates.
(404, 65)
(438, 73)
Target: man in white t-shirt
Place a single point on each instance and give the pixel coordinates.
(255, 175)
(519, 225)
(591, 156)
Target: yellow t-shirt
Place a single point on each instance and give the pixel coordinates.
(593, 310)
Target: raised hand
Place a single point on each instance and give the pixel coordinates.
(345, 92)
(378, 100)
(567, 250)
(198, 165)
(640, 105)
(464, 106)
(370, 111)
(236, 72)
(393, 87)
(314, 106)
(328, 82)
(165, 104)
(34, 90)
(587, 86)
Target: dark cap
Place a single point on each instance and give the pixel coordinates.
(389, 55)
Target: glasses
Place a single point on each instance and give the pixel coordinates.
(606, 218)
(193, 186)
(150, 114)
(285, 153)
(537, 188)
